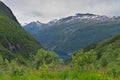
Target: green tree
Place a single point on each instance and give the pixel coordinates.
(83, 60)
(45, 57)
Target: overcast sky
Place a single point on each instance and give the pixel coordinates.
(46, 10)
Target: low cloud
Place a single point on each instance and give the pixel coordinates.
(33, 14)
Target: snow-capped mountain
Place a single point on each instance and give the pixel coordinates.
(74, 32)
(34, 26)
(52, 22)
(87, 18)
(77, 18)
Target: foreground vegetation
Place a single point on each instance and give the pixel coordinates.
(60, 75)
(47, 66)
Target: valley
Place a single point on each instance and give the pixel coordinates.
(72, 33)
(80, 47)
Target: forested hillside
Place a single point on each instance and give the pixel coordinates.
(103, 55)
(13, 39)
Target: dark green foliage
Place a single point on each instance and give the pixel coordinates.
(13, 39)
(5, 11)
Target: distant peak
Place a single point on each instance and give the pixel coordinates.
(36, 22)
(53, 21)
(39, 22)
(84, 14)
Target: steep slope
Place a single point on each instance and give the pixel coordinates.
(74, 32)
(14, 40)
(103, 56)
(108, 54)
(5, 11)
(109, 47)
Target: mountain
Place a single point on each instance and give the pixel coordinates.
(14, 41)
(74, 32)
(34, 26)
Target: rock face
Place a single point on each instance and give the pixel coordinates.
(13, 39)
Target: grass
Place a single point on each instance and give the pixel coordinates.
(60, 75)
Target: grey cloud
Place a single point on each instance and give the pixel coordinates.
(33, 14)
(45, 10)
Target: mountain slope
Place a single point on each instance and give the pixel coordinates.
(74, 32)
(108, 54)
(13, 39)
(103, 56)
(106, 46)
(5, 11)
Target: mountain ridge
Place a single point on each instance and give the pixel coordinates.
(80, 16)
(74, 32)
(5, 10)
